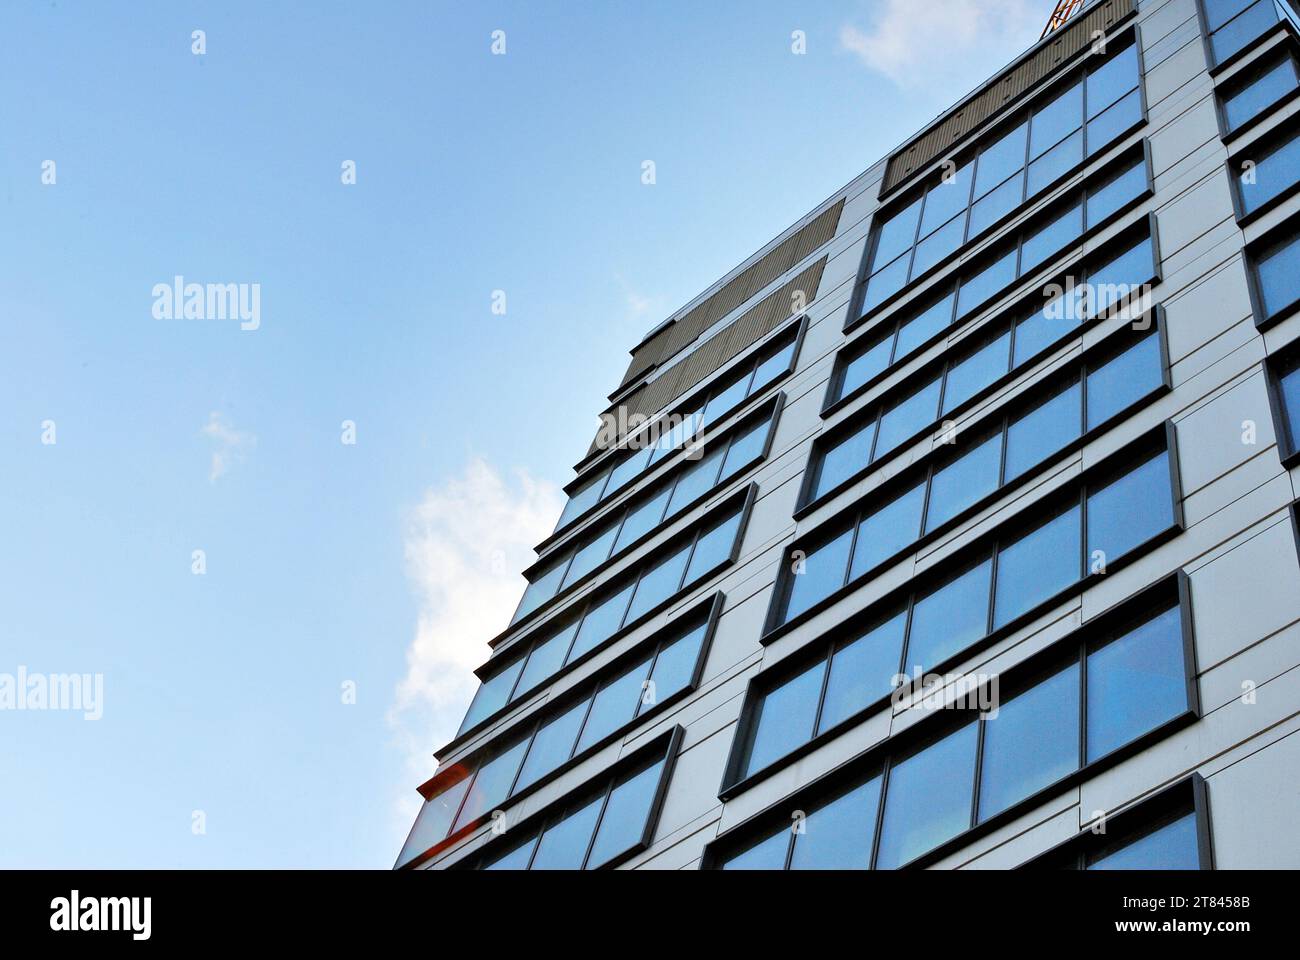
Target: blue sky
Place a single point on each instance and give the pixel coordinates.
(384, 564)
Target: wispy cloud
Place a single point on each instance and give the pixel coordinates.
(465, 545)
(943, 44)
(229, 445)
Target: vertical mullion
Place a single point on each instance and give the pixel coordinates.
(982, 721)
(821, 696)
(853, 543)
(1083, 533)
(925, 500)
(591, 841)
(686, 567)
(463, 800)
(1083, 704)
(993, 588)
(879, 825)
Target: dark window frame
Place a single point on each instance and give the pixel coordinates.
(900, 200)
(1172, 589)
(903, 598)
(1146, 227)
(1189, 794)
(1274, 138)
(1290, 227)
(926, 466)
(869, 335)
(1286, 432)
(1218, 67)
(1229, 87)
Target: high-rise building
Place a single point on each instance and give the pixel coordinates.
(963, 529)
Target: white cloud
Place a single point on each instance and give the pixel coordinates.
(465, 546)
(230, 445)
(944, 44)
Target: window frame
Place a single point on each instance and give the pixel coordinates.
(1286, 432)
(1218, 67)
(1229, 86)
(1189, 794)
(1172, 589)
(1274, 138)
(900, 200)
(1289, 227)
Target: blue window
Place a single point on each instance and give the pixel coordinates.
(745, 448)
(591, 555)
(924, 326)
(1057, 120)
(964, 481)
(929, 798)
(1129, 511)
(977, 289)
(1116, 384)
(1041, 432)
(1135, 683)
(1112, 81)
(885, 283)
(1288, 384)
(1030, 742)
(989, 209)
(1037, 566)
(1266, 87)
(1120, 189)
(784, 718)
(491, 785)
(658, 583)
(1001, 159)
(843, 460)
(602, 619)
(626, 814)
(1056, 162)
(908, 417)
(1277, 268)
(946, 200)
(1039, 330)
(614, 705)
(552, 745)
(819, 575)
(949, 619)
(864, 366)
(564, 844)
(839, 834)
(938, 245)
(972, 374)
(767, 854)
(862, 671)
(642, 519)
(713, 548)
(891, 528)
(1272, 175)
(492, 695)
(1168, 846)
(698, 479)
(897, 234)
(546, 658)
(1238, 24)
(1051, 238)
(674, 668)
(1107, 126)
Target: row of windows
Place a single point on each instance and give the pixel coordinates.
(1234, 24)
(706, 408)
(1167, 842)
(667, 669)
(718, 463)
(1068, 407)
(597, 829)
(1102, 695)
(1249, 96)
(891, 424)
(1053, 140)
(915, 329)
(684, 565)
(1103, 522)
